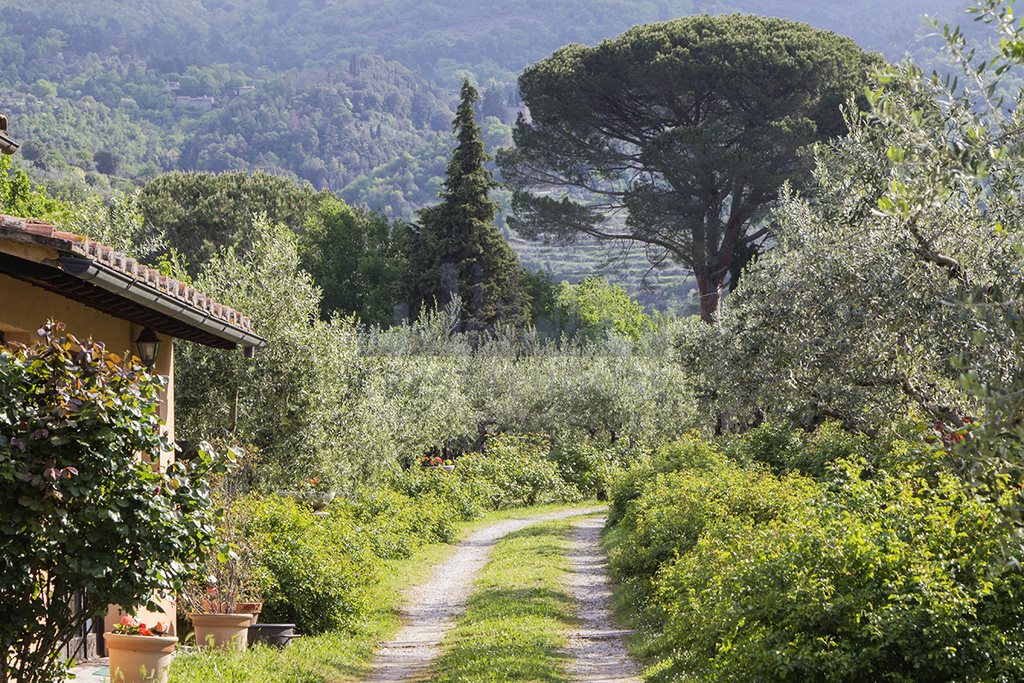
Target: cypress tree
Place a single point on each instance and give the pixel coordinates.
(456, 247)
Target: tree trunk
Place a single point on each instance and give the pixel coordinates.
(710, 288)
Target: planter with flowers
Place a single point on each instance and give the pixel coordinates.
(139, 653)
(431, 462)
(449, 466)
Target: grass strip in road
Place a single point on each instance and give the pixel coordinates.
(342, 655)
(519, 615)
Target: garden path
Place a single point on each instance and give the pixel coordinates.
(433, 607)
(597, 648)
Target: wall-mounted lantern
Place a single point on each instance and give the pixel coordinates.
(148, 345)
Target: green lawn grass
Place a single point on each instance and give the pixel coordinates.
(338, 656)
(518, 617)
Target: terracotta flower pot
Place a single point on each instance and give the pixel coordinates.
(253, 608)
(139, 659)
(224, 631)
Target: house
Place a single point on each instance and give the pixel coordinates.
(96, 292)
(200, 102)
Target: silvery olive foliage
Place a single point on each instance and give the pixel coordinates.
(859, 310)
(336, 400)
(288, 399)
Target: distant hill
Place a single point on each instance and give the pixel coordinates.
(349, 95)
(490, 38)
(322, 90)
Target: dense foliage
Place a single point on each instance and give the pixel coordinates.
(354, 97)
(879, 574)
(891, 301)
(201, 213)
(317, 571)
(87, 521)
(329, 399)
(859, 515)
(688, 129)
(456, 252)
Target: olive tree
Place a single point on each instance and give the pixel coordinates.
(904, 258)
(289, 400)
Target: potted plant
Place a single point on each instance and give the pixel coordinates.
(138, 653)
(226, 602)
(225, 631)
(220, 619)
(449, 466)
(316, 493)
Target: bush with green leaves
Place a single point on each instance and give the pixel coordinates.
(689, 452)
(80, 511)
(678, 502)
(515, 472)
(398, 522)
(890, 573)
(316, 569)
(896, 578)
(785, 448)
(443, 499)
(591, 468)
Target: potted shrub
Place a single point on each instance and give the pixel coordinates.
(221, 630)
(138, 653)
(221, 619)
(226, 603)
(449, 466)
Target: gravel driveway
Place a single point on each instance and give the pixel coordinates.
(432, 608)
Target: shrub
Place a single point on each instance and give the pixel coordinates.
(590, 468)
(885, 579)
(318, 569)
(80, 511)
(396, 523)
(787, 449)
(893, 574)
(514, 472)
(463, 497)
(691, 451)
(676, 508)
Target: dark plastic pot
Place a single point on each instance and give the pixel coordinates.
(277, 635)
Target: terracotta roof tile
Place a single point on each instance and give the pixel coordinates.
(34, 231)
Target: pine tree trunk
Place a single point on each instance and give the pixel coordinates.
(710, 289)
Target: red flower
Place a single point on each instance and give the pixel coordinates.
(144, 630)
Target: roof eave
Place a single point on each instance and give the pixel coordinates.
(129, 288)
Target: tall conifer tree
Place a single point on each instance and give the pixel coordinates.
(456, 248)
